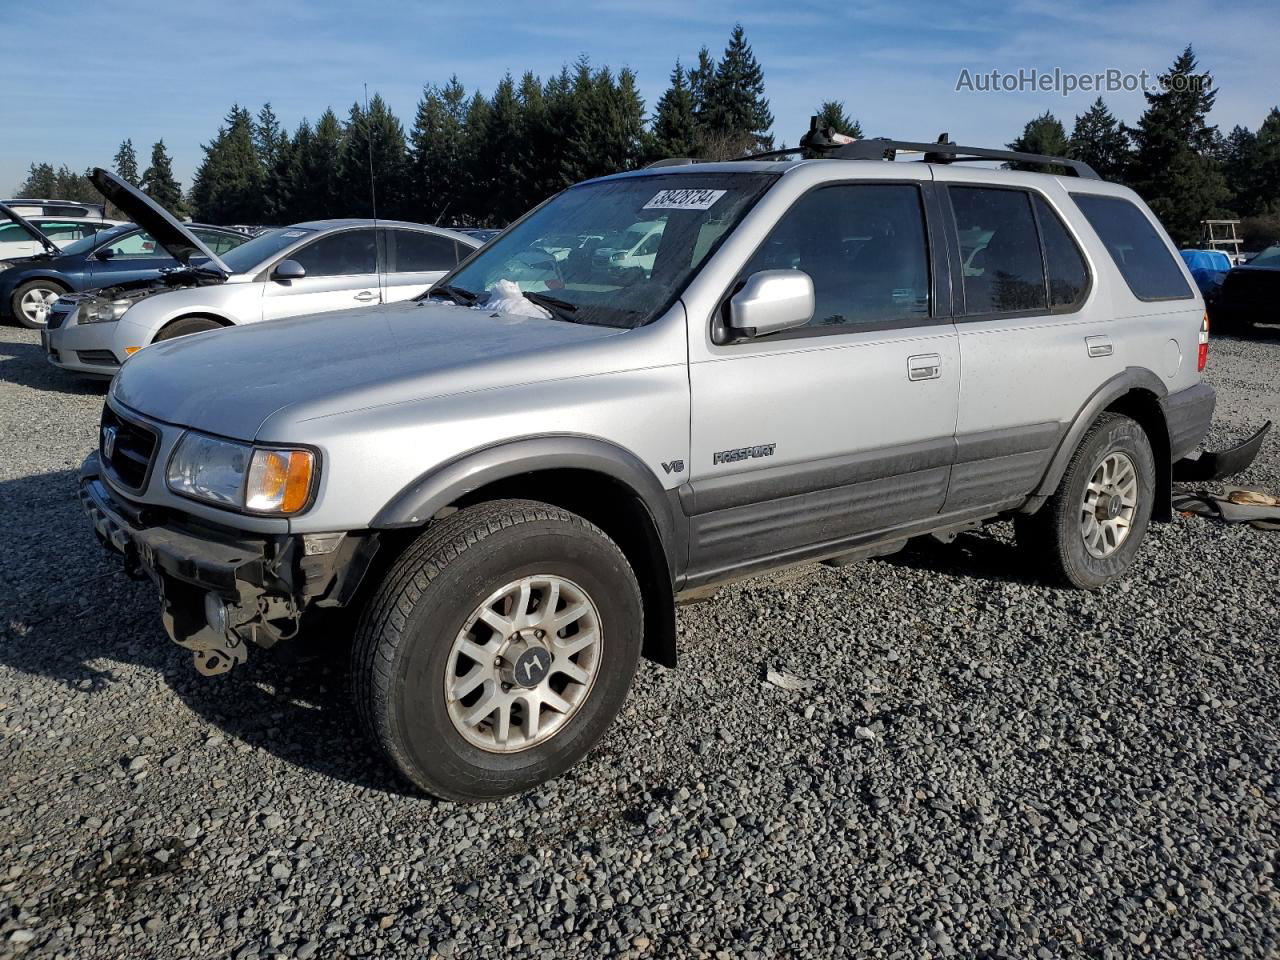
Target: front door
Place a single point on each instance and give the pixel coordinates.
(805, 439)
(341, 273)
(133, 256)
(414, 260)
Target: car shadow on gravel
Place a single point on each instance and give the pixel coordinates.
(25, 364)
(68, 613)
(978, 555)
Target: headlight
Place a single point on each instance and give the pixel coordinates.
(254, 479)
(103, 311)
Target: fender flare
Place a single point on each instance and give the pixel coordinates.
(442, 485)
(1128, 379)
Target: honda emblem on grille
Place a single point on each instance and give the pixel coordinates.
(109, 442)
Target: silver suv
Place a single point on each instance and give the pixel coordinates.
(512, 480)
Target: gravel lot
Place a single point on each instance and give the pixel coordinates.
(984, 767)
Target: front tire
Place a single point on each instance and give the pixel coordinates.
(1088, 533)
(31, 302)
(185, 326)
(497, 650)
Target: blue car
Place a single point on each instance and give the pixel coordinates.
(30, 285)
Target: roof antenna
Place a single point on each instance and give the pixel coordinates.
(373, 199)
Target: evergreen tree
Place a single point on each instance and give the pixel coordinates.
(41, 182)
(228, 183)
(1173, 165)
(701, 79)
(675, 125)
(736, 113)
(1239, 157)
(272, 144)
(374, 140)
(472, 203)
(500, 167)
(1044, 135)
(1100, 141)
(1267, 189)
(126, 162)
(158, 182)
(831, 114)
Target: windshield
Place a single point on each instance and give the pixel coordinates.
(85, 244)
(251, 253)
(1269, 257)
(565, 249)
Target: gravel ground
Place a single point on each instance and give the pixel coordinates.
(983, 767)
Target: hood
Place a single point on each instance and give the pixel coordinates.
(230, 381)
(30, 228)
(177, 240)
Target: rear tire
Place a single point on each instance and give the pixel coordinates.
(551, 610)
(31, 301)
(1088, 533)
(185, 326)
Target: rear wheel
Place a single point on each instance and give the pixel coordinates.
(185, 326)
(497, 650)
(1088, 533)
(31, 302)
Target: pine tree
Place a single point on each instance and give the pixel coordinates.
(1239, 156)
(1044, 135)
(736, 113)
(831, 114)
(701, 79)
(675, 126)
(1267, 195)
(324, 173)
(272, 145)
(500, 169)
(158, 182)
(126, 163)
(473, 203)
(40, 182)
(374, 142)
(1173, 165)
(228, 183)
(1099, 140)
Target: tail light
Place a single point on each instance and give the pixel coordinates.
(1202, 358)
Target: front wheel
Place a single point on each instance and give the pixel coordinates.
(185, 326)
(1088, 533)
(32, 300)
(497, 650)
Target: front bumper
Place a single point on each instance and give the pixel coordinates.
(221, 590)
(82, 348)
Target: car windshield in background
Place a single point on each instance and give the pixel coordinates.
(1269, 257)
(565, 250)
(251, 253)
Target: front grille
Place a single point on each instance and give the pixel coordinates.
(99, 358)
(58, 314)
(126, 449)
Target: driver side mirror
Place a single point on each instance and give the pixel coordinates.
(106, 253)
(769, 301)
(288, 270)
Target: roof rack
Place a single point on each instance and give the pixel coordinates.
(825, 143)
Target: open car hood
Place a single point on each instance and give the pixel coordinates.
(30, 228)
(164, 228)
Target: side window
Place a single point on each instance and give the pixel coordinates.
(1136, 247)
(999, 250)
(864, 247)
(1068, 273)
(422, 252)
(59, 231)
(219, 242)
(345, 254)
(136, 246)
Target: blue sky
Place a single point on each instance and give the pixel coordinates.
(113, 68)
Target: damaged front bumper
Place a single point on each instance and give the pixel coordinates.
(222, 590)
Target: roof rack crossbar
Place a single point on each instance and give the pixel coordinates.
(884, 149)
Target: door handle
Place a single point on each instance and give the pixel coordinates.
(1099, 346)
(364, 296)
(925, 366)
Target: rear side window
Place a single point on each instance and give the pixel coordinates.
(999, 249)
(863, 245)
(423, 252)
(219, 242)
(1136, 247)
(1068, 274)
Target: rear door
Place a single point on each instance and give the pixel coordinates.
(414, 260)
(1035, 338)
(810, 437)
(341, 274)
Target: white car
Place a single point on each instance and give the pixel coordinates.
(302, 269)
(18, 241)
(633, 249)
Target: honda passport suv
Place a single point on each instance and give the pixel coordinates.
(510, 484)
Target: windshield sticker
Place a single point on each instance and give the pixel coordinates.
(295, 233)
(687, 199)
